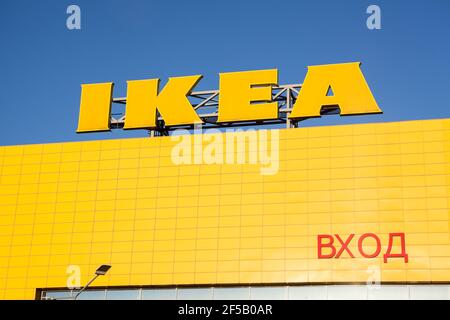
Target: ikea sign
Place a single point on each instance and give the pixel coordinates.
(243, 96)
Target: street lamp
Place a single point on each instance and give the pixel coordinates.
(101, 271)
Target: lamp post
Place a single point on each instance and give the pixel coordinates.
(101, 271)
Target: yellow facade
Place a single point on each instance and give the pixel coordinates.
(125, 203)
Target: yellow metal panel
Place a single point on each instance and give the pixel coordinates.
(159, 223)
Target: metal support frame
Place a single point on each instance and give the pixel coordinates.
(206, 104)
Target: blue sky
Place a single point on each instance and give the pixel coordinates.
(43, 64)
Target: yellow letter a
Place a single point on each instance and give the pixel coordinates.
(350, 91)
